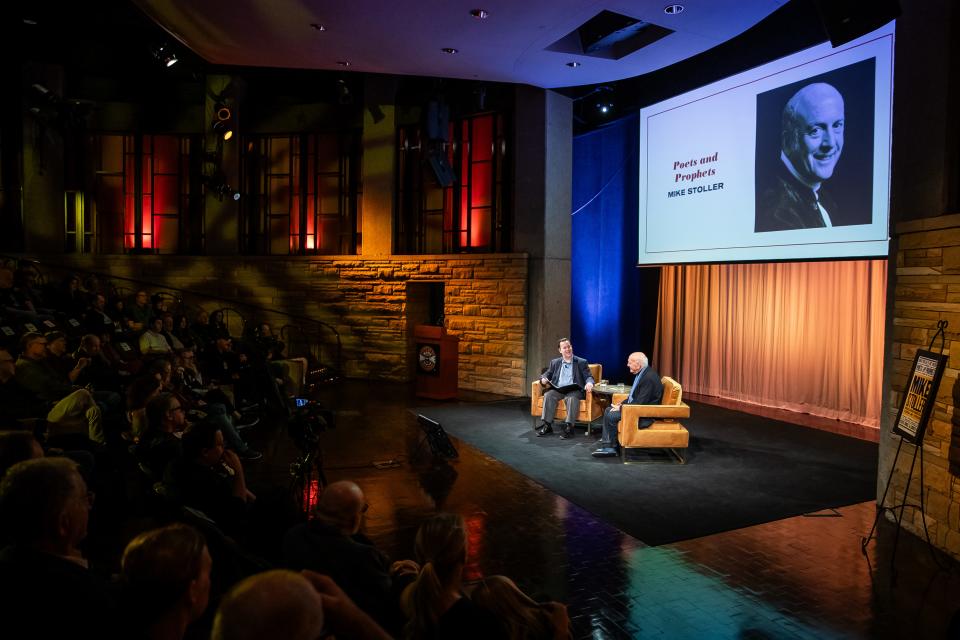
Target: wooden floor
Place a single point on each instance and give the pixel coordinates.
(803, 577)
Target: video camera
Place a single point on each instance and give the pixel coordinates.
(308, 420)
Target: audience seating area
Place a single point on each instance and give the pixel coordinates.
(131, 396)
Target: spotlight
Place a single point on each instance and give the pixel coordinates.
(223, 128)
(165, 55)
(604, 107)
(223, 124)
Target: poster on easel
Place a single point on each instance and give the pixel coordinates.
(919, 395)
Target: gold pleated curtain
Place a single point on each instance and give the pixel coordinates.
(801, 336)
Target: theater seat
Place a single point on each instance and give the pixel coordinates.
(665, 432)
(590, 409)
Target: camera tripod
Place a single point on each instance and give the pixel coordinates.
(307, 479)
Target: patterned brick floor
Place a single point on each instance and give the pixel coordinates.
(803, 577)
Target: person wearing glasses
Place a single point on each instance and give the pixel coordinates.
(69, 407)
(332, 544)
(46, 585)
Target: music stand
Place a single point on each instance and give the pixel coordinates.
(436, 437)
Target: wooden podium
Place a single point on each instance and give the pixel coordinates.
(437, 362)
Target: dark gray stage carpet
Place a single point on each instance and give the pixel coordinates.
(741, 470)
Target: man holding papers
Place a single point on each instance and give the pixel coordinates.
(567, 378)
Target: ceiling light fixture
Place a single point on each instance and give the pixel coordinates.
(318, 26)
(480, 14)
(604, 107)
(573, 64)
(450, 50)
(673, 9)
(343, 63)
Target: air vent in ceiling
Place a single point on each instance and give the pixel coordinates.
(610, 35)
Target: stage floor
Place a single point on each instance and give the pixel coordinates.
(800, 577)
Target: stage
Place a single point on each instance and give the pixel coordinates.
(741, 469)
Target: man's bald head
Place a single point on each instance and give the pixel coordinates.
(273, 604)
(341, 505)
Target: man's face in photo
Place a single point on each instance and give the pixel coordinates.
(815, 140)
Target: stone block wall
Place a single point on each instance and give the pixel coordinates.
(485, 303)
(927, 290)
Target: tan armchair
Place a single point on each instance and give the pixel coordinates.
(590, 409)
(665, 432)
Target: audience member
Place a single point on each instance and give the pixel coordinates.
(69, 404)
(168, 334)
(218, 328)
(166, 581)
(46, 587)
(210, 478)
(96, 320)
(159, 443)
(521, 617)
(293, 606)
(17, 403)
(200, 410)
(435, 605)
(17, 446)
(98, 373)
(332, 544)
(139, 314)
(60, 361)
(70, 298)
(152, 341)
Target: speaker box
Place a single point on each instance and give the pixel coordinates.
(846, 20)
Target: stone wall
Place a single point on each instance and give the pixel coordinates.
(927, 290)
(485, 303)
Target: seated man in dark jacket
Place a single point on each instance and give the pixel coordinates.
(333, 545)
(46, 587)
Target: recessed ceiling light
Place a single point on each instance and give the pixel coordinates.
(449, 50)
(480, 14)
(318, 26)
(574, 64)
(673, 9)
(343, 63)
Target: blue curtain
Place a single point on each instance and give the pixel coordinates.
(607, 286)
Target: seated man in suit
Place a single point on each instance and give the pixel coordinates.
(646, 389)
(563, 371)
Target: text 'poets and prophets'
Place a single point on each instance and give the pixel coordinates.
(683, 174)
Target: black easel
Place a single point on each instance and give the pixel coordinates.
(918, 448)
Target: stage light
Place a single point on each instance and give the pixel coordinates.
(165, 55)
(223, 122)
(223, 128)
(223, 190)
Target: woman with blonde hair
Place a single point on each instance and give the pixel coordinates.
(521, 617)
(435, 605)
